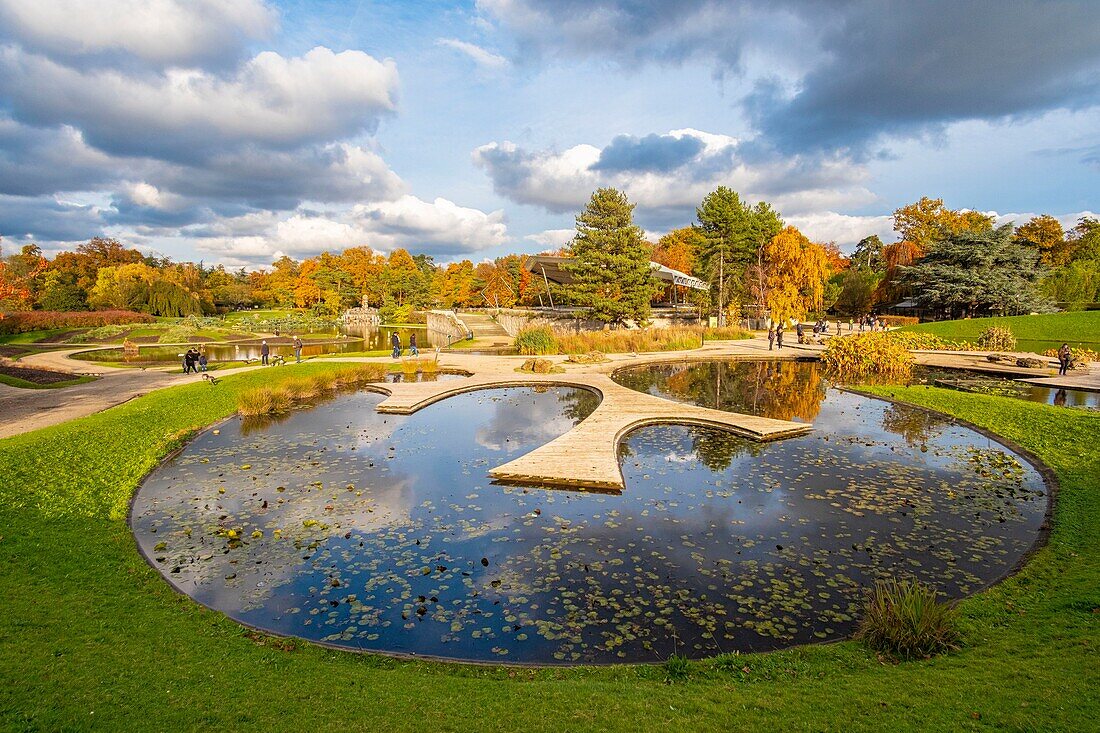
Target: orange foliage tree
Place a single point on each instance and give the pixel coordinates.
(1045, 234)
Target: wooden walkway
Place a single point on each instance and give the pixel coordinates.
(586, 456)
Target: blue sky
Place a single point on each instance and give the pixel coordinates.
(235, 131)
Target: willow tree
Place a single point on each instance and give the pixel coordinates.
(610, 265)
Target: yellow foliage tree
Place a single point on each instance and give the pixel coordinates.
(795, 270)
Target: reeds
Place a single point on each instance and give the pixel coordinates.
(906, 619)
(274, 399)
(545, 340)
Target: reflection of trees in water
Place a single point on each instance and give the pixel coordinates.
(780, 390)
(717, 448)
(916, 426)
(579, 403)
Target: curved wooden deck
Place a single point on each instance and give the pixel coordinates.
(586, 456)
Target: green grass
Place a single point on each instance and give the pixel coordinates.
(1033, 333)
(90, 636)
(32, 337)
(25, 384)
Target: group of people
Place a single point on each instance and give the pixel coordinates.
(265, 350)
(871, 323)
(395, 342)
(775, 335)
(194, 361)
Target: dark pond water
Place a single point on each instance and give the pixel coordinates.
(384, 533)
(377, 339)
(969, 381)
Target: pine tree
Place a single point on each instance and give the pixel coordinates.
(610, 266)
(733, 233)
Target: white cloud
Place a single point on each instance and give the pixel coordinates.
(845, 230)
(482, 57)
(552, 238)
(439, 227)
(668, 175)
(159, 31)
(270, 100)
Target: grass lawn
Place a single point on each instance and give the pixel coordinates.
(90, 636)
(24, 384)
(1033, 333)
(33, 337)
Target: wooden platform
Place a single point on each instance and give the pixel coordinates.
(586, 456)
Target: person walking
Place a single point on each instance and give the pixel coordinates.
(395, 342)
(849, 325)
(771, 337)
(188, 361)
(413, 351)
(798, 332)
(265, 351)
(779, 338)
(1065, 355)
(298, 349)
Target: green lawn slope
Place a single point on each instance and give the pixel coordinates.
(93, 638)
(1033, 333)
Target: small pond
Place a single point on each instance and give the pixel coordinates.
(376, 339)
(382, 532)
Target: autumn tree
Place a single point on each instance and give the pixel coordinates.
(1044, 234)
(927, 220)
(455, 285)
(610, 263)
(364, 267)
(795, 270)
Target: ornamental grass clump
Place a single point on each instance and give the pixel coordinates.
(256, 401)
(997, 338)
(924, 341)
(906, 619)
(535, 340)
(872, 356)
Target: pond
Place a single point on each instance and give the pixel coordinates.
(375, 339)
(970, 381)
(381, 532)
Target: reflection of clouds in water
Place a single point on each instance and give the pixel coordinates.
(521, 422)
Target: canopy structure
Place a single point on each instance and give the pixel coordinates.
(550, 269)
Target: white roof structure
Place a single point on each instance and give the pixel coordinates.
(550, 266)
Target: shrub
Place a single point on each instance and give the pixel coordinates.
(1077, 357)
(905, 619)
(300, 388)
(924, 341)
(997, 338)
(899, 320)
(863, 356)
(103, 333)
(534, 340)
(23, 321)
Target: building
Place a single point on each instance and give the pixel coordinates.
(550, 269)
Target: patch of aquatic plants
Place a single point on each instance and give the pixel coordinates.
(268, 400)
(870, 356)
(536, 340)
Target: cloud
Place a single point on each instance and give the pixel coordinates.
(845, 230)
(168, 32)
(860, 70)
(482, 57)
(183, 114)
(441, 228)
(552, 239)
(667, 175)
(47, 219)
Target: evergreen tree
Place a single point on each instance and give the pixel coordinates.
(971, 273)
(733, 233)
(610, 266)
